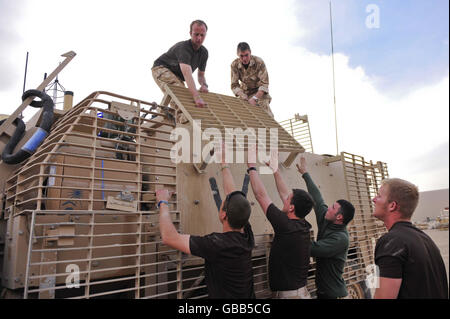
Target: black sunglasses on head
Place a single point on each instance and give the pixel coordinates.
(227, 199)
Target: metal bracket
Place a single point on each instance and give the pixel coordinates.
(216, 193)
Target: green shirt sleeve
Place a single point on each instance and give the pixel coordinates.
(328, 247)
(320, 208)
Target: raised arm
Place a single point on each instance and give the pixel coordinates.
(283, 190)
(169, 234)
(258, 187)
(328, 247)
(320, 208)
(228, 181)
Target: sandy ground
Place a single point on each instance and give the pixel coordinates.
(440, 237)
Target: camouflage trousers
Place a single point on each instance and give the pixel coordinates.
(163, 75)
(264, 102)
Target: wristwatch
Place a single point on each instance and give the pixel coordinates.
(251, 169)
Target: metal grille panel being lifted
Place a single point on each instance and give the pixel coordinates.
(224, 112)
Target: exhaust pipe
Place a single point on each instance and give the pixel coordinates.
(68, 100)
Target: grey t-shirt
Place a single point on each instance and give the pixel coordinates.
(183, 52)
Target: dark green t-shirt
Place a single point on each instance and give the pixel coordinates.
(183, 52)
(330, 249)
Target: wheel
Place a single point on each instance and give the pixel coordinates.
(357, 291)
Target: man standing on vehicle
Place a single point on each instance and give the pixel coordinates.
(177, 65)
(331, 246)
(409, 262)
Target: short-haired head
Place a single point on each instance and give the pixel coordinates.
(347, 210)
(302, 201)
(404, 193)
(243, 46)
(199, 22)
(237, 208)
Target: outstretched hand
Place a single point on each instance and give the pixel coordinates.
(273, 166)
(203, 89)
(199, 101)
(163, 194)
(301, 166)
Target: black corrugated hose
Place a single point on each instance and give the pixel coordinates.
(38, 137)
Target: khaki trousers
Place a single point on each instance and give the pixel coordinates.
(300, 293)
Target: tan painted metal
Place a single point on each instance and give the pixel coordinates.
(71, 204)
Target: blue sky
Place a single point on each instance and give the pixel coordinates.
(408, 50)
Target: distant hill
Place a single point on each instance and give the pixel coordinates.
(431, 204)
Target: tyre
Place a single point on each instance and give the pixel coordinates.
(358, 290)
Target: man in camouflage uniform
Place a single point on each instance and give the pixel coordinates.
(249, 78)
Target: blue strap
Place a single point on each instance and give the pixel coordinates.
(162, 201)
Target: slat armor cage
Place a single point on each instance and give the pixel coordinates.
(82, 216)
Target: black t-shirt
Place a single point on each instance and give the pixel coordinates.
(183, 52)
(228, 263)
(290, 252)
(407, 252)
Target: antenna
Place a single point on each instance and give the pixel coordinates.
(334, 88)
(58, 90)
(25, 76)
